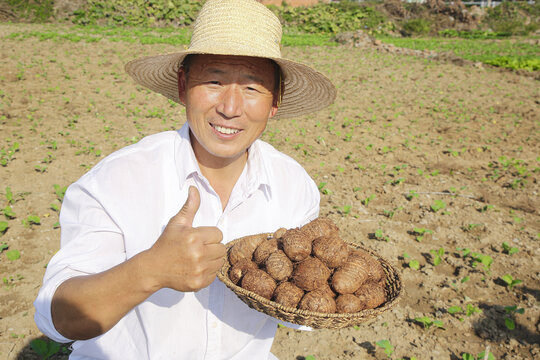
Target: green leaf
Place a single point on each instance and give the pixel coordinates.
(310, 357)
(510, 324)
(13, 255)
(467, 356)
(414, 264)
(482, 355)
(3, 226)
(39, 346)
(454, 309)
(3, 246)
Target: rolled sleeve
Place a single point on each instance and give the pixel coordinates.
(91, 242)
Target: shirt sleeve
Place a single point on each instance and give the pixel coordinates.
(91, 242)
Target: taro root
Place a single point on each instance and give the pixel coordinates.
(244, 249)
(296, 245)
(310, 274)
(259, 282)
(240, 268)
(348, 303)
(265, 248)
(319, 227)
(319, 301)
(331, 250)
(353, 273)
(327, 289)
(372, 294)
(279, 266)
(288, 294)
(279, 233)
(376, 271)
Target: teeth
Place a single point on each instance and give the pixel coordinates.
(225, 130)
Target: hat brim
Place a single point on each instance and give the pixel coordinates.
(306, 90)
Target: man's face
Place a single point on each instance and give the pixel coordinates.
(228, 102)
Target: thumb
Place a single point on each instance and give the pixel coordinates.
(187, 213)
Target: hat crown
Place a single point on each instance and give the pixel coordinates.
(236, 27)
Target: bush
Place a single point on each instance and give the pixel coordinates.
(32, 10)
(416, 27)
(515, 17)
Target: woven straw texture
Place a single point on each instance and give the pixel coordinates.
(309, 318)
(243, 28)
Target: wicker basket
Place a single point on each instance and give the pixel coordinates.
(309, 318)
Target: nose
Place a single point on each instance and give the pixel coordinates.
(231, 101)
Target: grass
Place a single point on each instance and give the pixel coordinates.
(145, 35)
(508, 52)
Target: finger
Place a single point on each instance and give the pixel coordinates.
(210, 234)
(187, 213)
(215, 251)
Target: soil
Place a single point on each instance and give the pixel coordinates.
(404, 132)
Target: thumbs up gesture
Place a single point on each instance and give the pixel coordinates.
(187, 258)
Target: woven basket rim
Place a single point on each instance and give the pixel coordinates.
(277, 310)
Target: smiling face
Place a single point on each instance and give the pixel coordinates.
(228, 102)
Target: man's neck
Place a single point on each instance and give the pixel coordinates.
(222, 173)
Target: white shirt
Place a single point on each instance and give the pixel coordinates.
(121, 206)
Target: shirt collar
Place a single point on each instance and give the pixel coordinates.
(257, 172)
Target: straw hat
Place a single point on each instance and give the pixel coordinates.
(245, 28)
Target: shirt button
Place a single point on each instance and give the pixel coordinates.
(214, 325)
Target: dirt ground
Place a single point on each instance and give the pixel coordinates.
(409, 144)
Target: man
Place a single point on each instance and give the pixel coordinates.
(143, 232)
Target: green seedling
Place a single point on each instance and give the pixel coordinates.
(310, 357)
(31, 220)
(379, 235)
(60, 191)
(510, 281)
(323, 189)
(8, 212)
(485, 260)
(420, 233)
(438, 205)
(481, 356)
(367, 200)
(13, 255)
(510, 313)
(45, 349)
(437, 256)
(390, 213)
(3, 226)
(412, 263)
(486, 208)
(346, 209)
(54, 207)
(9, 195)
(411, 195)
(509, 249)
(428, 322)
(388, 348)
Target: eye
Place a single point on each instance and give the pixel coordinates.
(213, 82)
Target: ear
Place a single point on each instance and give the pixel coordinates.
(273, 111)
(182, 85)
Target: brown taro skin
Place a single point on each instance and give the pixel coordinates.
(288, 294)
(244, 249)
(319, 301)
(259, 282)
(372, 294)
(351, 275)
(348, 303)
(310, 274)
(376, 271)
(240, 268)
(279, 266)
(331, 250)
(320, 227)
(265, 248)
(279, 233)
(296, 245)
(327, 289)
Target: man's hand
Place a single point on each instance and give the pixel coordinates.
(185, 258)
